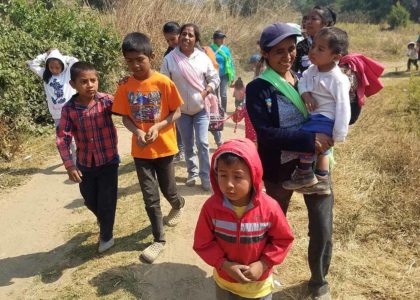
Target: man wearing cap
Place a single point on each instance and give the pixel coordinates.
(226, 68)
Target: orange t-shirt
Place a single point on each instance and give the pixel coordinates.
(147, 102)
(212, 56)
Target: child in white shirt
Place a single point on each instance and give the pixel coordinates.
(325, 91)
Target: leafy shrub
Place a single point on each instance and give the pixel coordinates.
(27, 29)
(398, 16)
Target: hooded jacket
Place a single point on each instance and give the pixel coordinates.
(262, 233)
(368, 72)
(58, 89)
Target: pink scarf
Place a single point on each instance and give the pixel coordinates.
(190, 74)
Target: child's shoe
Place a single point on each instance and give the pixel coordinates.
(173, 218)
(206, 186)
(103, 246)
(300, 179)
(152, 252)
(323, 187)
(179, 157)
(191, 181)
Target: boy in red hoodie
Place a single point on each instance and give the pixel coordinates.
(241, 231)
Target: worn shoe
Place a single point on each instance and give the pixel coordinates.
(191, 181)
(179, 157)
(103, 246)
(206, 186)
(321, 293)
(152, 252)
(173, 218)
(323, 187)
(300, 179)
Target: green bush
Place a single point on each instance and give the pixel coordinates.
(27, 29)
(398, 16)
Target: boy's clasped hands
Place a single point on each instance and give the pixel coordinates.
(146, 138)
(243, 273)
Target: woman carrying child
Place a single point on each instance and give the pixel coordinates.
(277, 112)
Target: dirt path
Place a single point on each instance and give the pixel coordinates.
(36, 216)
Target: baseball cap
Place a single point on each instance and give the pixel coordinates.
(275, 33)
(218, 35)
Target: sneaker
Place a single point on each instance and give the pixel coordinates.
(152, 252)
(300, 179)
(206, 186)
(179, 157)
(321, 188)
(173, 218)
(219, 144)
(326, 296)
(191, 181)
(103, 246)
(321, 293)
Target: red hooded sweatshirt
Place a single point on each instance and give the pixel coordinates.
(262, 233)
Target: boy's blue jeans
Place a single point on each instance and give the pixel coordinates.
(99, 190)
(320, 219)
(196, 126)
(154, 174)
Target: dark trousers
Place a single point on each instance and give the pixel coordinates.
(99, 190)
(320, 215)
(152, 174)
(410, 62)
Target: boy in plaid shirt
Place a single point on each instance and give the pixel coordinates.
(86, 117)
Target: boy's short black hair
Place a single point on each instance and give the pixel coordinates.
(229, 159)
(338, 40)
(137, 42)
(79, 67)
(171, 27)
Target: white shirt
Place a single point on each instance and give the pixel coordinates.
(330, 90)
(193, 101)
(58, 88)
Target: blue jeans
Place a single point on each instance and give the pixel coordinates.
(222, 90)
(217, 137)
(179, 140)
(197, 125)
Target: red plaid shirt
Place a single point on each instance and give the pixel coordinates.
(93, 130)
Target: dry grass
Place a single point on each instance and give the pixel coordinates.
(31, 153)
(377, 180)
(148, 16)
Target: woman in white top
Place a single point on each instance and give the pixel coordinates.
(195, 77)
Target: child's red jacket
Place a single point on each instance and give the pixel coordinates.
(261, 234)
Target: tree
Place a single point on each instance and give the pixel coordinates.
(398, 16)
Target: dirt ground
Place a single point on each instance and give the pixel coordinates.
(36, 216)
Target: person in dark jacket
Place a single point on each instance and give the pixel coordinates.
(277, 112)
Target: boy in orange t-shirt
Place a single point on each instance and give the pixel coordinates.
(149, 104)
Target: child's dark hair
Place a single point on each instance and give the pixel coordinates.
(337, 39)
(196, 31)
(79, 67)
(46, 76)
(229, 159)
(328, 16)
(239, 83)
(171, 27)
(138, 42)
